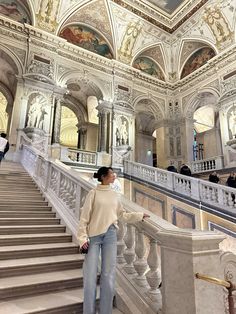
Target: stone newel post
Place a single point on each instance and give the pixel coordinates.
(182, 256)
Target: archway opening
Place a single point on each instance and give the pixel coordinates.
(69, 130)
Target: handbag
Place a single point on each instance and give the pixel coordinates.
(81, 249)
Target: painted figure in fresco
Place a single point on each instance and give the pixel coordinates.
(232, 123)
(197, 59)
(33, 112)
(48, 11)
(129, 39)
(148, 66)
(87, 39)
(10, 10)
(217, 23)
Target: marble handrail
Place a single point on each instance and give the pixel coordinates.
(154, 257)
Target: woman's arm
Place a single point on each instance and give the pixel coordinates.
(129, 217)
(82, 235)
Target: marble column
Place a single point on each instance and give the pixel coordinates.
(57, 122)
(82, 138)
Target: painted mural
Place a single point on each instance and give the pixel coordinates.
(15, 10)
(197, 59)
(86, 38)
(148, 66)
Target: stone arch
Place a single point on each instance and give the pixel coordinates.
(85, 79)
(147, 114)
(199, 99)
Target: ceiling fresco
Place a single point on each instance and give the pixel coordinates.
(169, 6)
(16, 10)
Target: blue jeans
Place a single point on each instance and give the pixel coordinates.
(107, 244)
(1, 156)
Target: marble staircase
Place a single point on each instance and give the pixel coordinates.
(40, 267)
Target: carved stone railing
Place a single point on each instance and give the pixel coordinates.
(156, 260)
(36, 138)
(213, 163)
(79, 156)
(208, 193)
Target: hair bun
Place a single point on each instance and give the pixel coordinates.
(95, 175)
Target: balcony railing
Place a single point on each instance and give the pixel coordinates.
(214, 163)
(218, 195)
(79, 156)
(156, 260)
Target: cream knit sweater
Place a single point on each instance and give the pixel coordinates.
(101, 209)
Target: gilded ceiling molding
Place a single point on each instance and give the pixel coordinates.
(154, 21)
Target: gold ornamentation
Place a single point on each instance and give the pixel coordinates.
(47, 14)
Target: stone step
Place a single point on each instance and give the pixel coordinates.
(68, 301)
(26, 214)
(35, 265)
(37, 250)
(24, 239)
(25, 207)
(28, 221)
(31, 202)
(25, 229)
(17, 286)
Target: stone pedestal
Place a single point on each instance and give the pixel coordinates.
(182, 256)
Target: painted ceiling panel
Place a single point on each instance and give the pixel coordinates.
(169, 6)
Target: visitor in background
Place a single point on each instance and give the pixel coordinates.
(231, 181)
(97, 234)
(214, 177)
(185, 170)
(4, 145)
(171, 168)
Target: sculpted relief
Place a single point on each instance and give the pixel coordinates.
(36, 112)
(232, 122)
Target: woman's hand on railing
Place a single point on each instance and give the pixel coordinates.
(145, 216)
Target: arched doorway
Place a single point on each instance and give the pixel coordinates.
(69, 130)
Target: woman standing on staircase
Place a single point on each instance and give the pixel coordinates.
(97, 233)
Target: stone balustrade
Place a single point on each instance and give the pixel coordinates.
(156, 261)
(207, 193)
(213, 163)
(79, 156)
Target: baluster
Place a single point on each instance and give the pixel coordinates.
(120, 242)
(154, 276)
(129, 254)
(140, 263)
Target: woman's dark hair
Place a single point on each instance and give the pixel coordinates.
(102, 172)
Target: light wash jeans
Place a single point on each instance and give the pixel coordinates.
(105, 243)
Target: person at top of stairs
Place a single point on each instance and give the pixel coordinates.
(97, 232)
(4, 145)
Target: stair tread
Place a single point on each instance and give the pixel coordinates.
(36, 247)
(40, 260)
(42, 302)
(34, 279)
(44, 235)
(31, 226)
